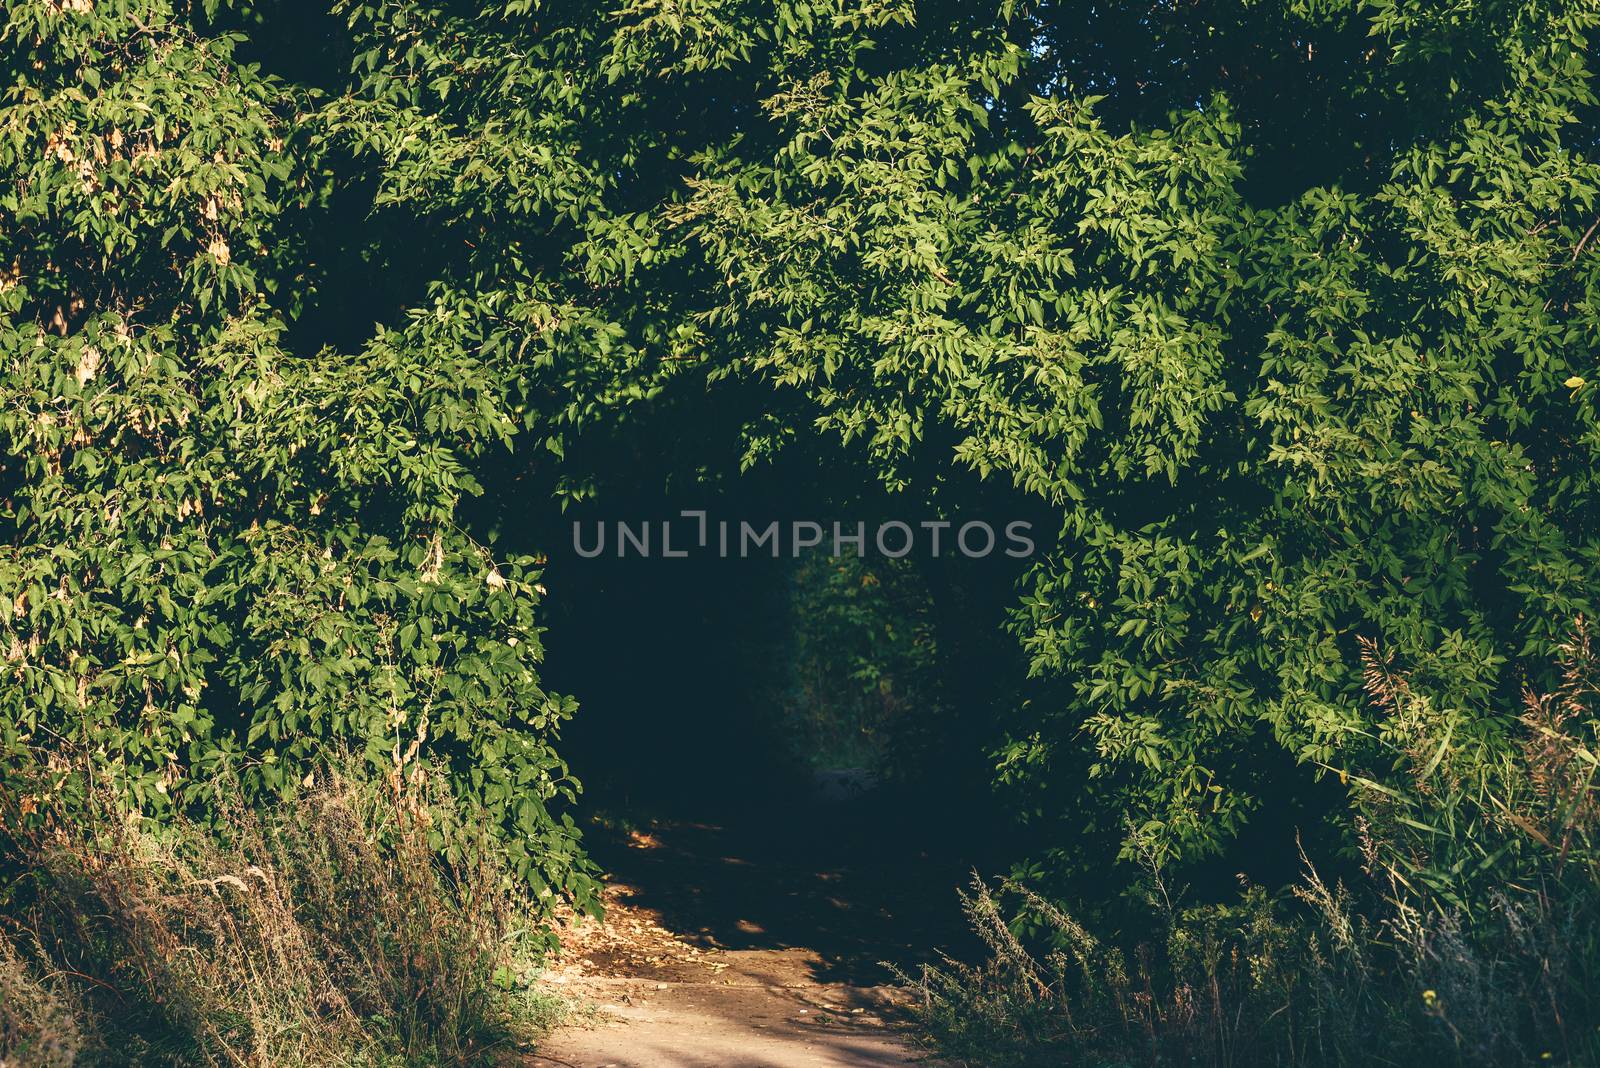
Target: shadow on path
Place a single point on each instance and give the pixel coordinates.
(760, 940)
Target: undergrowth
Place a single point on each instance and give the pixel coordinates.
(1472, 937)
(323, 931)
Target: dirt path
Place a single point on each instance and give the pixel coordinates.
(762, 1010)
(724, 949)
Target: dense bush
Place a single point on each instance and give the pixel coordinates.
(1286, 310)
(1283, 312)
(221, 556)
(1470, 939)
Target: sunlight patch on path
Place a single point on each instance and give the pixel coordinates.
(662, 1002)
(760, 1014)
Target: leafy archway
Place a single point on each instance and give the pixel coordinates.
(1284, 322)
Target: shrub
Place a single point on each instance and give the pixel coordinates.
(1470, 941)
(219, 548)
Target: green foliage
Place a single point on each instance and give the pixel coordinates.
(223, 556)
(1285, 311)
(1290, 376)
(857, 686)
(1469, 939)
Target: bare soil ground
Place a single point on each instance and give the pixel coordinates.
(761, 948)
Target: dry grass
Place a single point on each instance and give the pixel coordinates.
(324, 931)
(38, 1025)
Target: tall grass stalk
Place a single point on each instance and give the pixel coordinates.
(1472, 938)
(325, 930)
